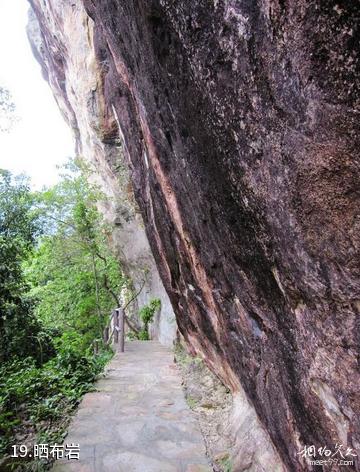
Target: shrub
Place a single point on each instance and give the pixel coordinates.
(146, 314)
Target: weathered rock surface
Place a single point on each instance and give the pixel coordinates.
(239, 122)
(69, 63)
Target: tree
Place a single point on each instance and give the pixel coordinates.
(56, 275)
(18, 231)
(73, 273)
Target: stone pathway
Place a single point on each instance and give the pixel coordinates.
(138, 420)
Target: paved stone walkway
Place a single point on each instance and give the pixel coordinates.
(138, 420)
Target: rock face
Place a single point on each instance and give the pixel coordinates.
(69, 63)
(239, 123)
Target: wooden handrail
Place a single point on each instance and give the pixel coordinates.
(118, 332)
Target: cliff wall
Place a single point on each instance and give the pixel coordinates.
(69, 63)
(239, 123)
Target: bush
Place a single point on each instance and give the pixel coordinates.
(46, 393)
(146, 314)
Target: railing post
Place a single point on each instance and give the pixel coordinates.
(121, 317)
(116, 326)
(118, 318)
(106, 334)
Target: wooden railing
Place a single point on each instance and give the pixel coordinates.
(116, 329)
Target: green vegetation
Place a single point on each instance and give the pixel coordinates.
(146, 314)
(225, 463)
(58, 284)
(191, 401)
(73, 271)
(183, 358)
(17, 237)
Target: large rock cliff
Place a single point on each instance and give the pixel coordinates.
(238, 121)
(66, 53)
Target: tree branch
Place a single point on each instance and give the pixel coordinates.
(135, 296)
(118, 303)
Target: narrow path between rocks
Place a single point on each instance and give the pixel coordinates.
(137, 420)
